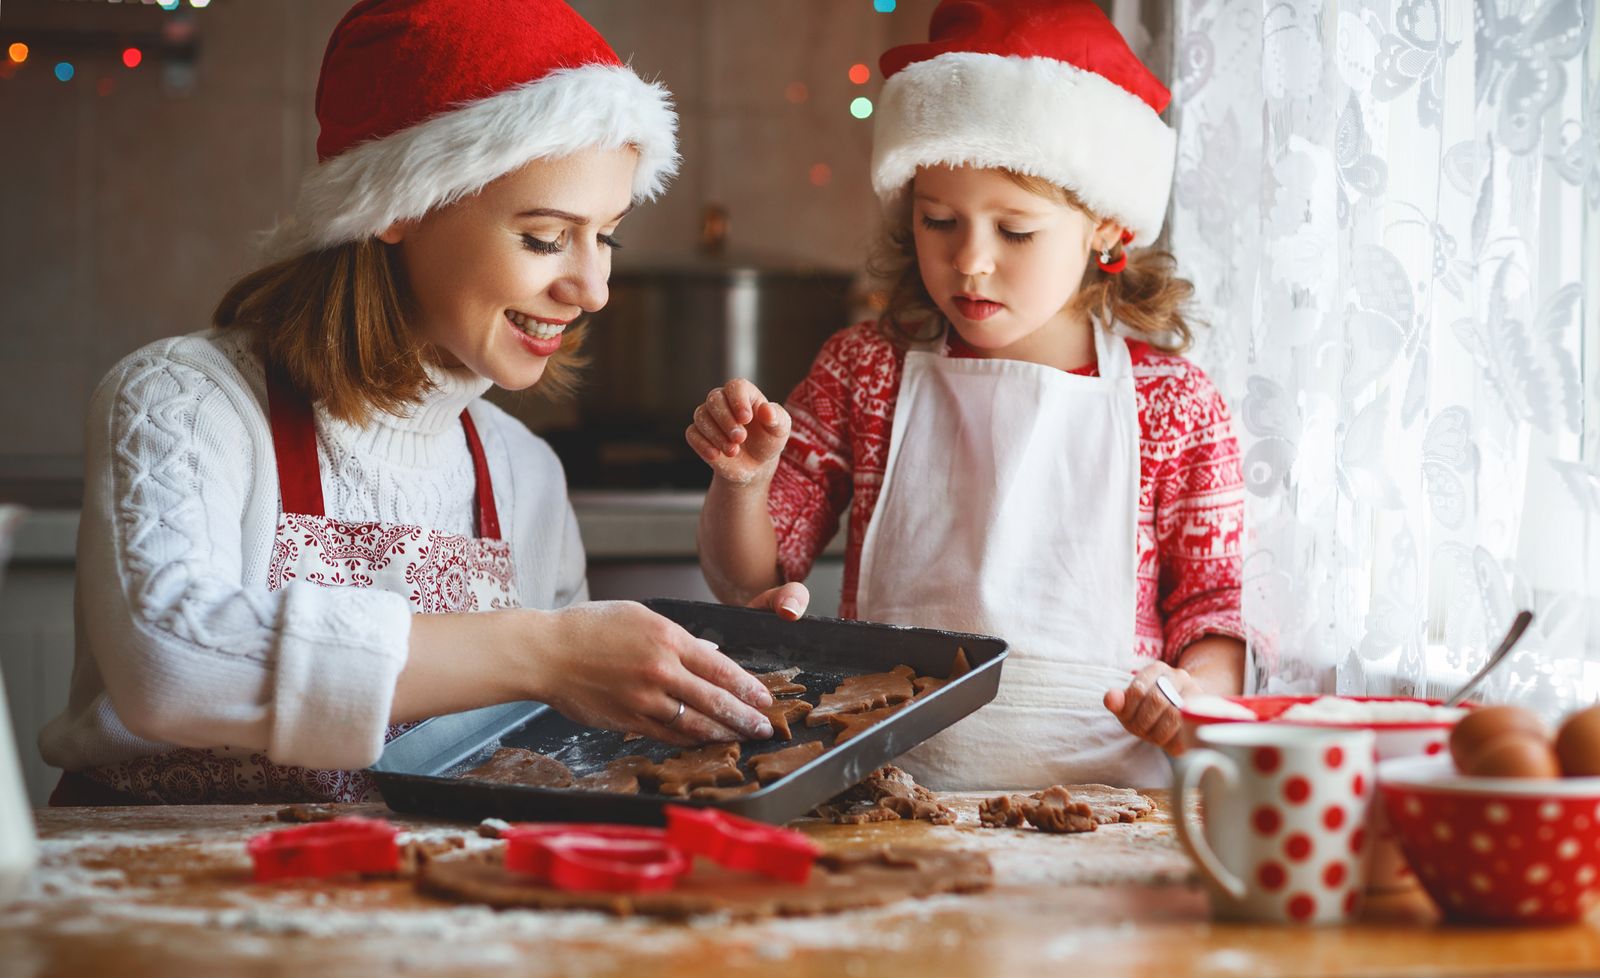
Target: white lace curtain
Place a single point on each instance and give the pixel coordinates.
(1391, 212)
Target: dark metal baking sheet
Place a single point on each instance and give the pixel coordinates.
(419, 770)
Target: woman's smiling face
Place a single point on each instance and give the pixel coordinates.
(1000, 262)
(495, 278)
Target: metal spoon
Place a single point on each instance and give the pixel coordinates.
(1169, 691)
(1520, 625)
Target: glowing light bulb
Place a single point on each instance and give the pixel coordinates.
(132, 57)
(18, 52)
(861, 107)
(883, 6)
(860, 74)
(64, 71)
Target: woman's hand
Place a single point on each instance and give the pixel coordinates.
(1146, 713)
(618, 665)
(739, 433)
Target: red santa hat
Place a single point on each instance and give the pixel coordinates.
(423, 102)
(1046, 88)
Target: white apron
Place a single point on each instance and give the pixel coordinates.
(1009, 507)
(436, 571)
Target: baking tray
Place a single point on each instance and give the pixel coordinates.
(419, 769)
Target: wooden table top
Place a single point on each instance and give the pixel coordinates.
(163, 891)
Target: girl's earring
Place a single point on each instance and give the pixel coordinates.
(1110, 265)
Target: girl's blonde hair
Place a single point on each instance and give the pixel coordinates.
(1147, 296)
(335, 323)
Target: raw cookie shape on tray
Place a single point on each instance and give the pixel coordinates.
(858, 694)
(782, 714)
(619, 777)
(781, 682)
(928, 684)
(782, 763)
(518, 765)
(715, 765)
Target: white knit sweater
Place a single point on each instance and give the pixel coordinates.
(179, 642)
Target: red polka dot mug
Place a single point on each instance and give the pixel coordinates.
(1284, 833)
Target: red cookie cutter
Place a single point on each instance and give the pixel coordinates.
(610, 858)
(742, 844)
(340, 845)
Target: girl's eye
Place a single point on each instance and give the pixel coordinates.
(609, 241)
(933, 225)
(1017, 237)
(540, 246)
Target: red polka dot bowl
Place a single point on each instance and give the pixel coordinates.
(1496, 850)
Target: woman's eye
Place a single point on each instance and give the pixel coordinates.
(541, 246)
(933, 225)
(1017, 237)
(609, 241)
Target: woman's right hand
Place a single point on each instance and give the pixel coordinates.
(739, 433)
(619, 665)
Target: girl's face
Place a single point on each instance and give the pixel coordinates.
(999, 261)
(495, 278)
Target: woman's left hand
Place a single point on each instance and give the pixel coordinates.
(1146, 713)
(788, 600)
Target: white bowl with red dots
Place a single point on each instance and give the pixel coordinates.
(1396, 738)
(1501, 850)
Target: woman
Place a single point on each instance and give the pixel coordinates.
(303, 529)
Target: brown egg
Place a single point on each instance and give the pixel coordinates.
(1515, 754)
(1578, 744)
(1485, 724)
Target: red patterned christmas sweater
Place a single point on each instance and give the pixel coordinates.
(1191, 489)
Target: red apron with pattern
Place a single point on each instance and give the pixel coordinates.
(437, 572)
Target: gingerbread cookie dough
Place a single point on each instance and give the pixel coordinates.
(855, 880)
(716, 765)
(724, 794)
(517, 765)
(927, 684)
(620, 777)
(779, 764)
(783, 714)
(1056, 809)
(886, 795)
(848, 725)
(858, 694)
(781, 683)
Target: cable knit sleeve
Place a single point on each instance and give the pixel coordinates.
(1199, 509)
(193, 649)
(811, 487)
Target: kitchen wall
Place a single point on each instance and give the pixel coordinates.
(129, 199)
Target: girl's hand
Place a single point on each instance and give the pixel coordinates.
(618, 665)
(739, 433)
(1146, 713)
(788, 600)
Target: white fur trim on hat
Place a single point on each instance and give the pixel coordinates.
(453, 155)
(1036, 116)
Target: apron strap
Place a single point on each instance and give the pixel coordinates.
(294, 442)
(488, 516)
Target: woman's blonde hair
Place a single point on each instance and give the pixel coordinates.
(335, 323)
(1147, 296)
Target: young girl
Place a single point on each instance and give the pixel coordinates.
(305, 525)
(1010, 464)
